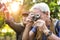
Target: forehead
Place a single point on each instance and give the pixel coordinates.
(36, 11)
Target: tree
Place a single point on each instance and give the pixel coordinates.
(54, 7)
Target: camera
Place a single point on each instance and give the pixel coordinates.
(35, 17)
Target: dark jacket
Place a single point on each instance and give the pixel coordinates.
(57, 28)
(18, 28)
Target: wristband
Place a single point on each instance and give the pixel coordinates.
(50, 33)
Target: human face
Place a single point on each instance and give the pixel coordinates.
(39, 12)
(43, 15)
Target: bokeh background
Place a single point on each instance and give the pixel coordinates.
(16, 8)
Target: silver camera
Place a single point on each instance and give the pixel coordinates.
(35, 17)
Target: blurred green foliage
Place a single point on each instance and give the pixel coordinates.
(54, 7)
(8, 34)
(1, 21)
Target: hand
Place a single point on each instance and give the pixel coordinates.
(41, 25)
(29, 21)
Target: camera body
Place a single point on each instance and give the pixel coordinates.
(35, 17)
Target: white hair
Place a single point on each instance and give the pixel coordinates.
(41, 6)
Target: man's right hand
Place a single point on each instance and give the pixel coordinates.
(29, 21)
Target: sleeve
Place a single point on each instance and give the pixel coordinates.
(15, 26)
(57, 28)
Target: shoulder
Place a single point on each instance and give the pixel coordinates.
(58, 22)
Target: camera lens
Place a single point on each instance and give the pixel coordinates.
(37, 16)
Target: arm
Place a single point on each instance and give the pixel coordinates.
(32, 33)
(52, 36)
(29, 24)
(16, 26)
(26, 32)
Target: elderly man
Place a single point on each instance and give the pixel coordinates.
(43, 10)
